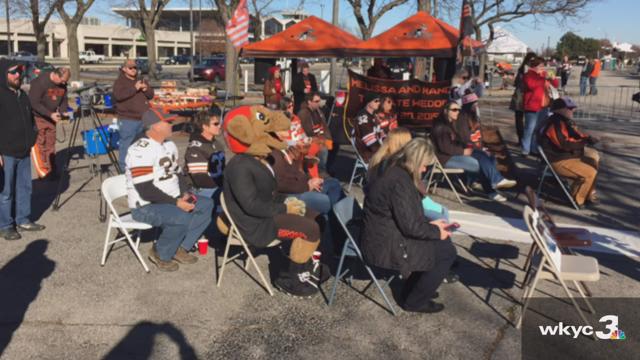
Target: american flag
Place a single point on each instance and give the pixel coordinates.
(238, 26)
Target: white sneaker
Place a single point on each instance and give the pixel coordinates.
(496, 196)
(506, 184)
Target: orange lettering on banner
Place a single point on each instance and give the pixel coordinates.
(423, 103)
(407, 115)
(356, 83)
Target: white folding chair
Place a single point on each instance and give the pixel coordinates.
(114, 188)
(358, 167)
(548, 171)
(235, 239)
(437, 168)
(553, 265)
(344, 211)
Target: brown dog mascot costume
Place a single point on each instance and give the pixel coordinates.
(249, 193)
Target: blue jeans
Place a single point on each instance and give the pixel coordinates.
(490, 174)
(593, 90)
(583, 85)
(323, 201)
(466, 163)
(16, 183)
(129, 129)
(213, 193)
(323, 157)
(179, 228)
(531, 120)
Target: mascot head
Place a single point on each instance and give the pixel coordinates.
(251, 130)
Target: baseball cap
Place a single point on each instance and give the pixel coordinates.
(129, 63)
(469, 98)
(153, 116)
(563, 102)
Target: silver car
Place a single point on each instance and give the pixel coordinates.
(24, 56)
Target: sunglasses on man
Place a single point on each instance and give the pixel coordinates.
(16, 70)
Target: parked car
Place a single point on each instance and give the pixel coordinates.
(400, 66)
(210, 69)
(24, 56)
(143, 66)
(178, 60)
(90, 57)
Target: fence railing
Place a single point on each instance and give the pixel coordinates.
(610, 103)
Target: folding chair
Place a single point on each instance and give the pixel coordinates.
(346, 210)
(358, 166)
(114, 188)
(235, 239)
(553, 265)
(439, 169)
(548, 171)
(566, 237)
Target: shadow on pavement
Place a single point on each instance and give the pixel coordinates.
(139, 342)
(20, 282)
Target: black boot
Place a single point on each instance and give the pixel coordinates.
(298, 281)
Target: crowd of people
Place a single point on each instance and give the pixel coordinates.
(277, 185)
(544, 119)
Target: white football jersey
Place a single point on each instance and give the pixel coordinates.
(148, 160)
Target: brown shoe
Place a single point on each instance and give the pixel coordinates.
(162, 265)
(183, 257)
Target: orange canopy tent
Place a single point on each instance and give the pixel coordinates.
(312, 37)
(419, 35)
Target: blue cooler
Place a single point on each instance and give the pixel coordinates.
(93, 144)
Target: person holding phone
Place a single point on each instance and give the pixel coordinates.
(397, 236)
(48, 97)
(132, 96)
(157, 194)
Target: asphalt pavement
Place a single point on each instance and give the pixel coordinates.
(57, 302)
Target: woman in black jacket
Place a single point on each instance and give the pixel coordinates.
(396, 234)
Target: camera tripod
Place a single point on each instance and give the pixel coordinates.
(87, 113)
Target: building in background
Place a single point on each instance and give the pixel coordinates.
(278, 22)
(121, 41)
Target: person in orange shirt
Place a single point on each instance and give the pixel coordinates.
(597, 66)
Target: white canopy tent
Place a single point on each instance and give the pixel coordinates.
(505, 46)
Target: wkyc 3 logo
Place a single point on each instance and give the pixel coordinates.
(612, 333)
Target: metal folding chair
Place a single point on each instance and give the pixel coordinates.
(437, 168)
(548, 171)
(235, 239)
(559, 267)
(358, 167)
(114, 188)
(346, 210)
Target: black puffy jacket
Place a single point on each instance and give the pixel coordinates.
(396, 234)
(17, 129)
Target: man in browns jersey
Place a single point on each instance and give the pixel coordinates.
(366, 131)
(157, 195)
(205, 158)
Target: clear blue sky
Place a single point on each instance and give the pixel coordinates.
(616, 20)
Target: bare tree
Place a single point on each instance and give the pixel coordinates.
(489, 13)
(71, 22)
(374, 10)
(226, 8)
(261, 8)
(40, 12)
(148, 18)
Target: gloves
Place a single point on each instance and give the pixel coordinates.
(295, 206)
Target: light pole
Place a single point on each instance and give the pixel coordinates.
(333, 81)
(6, 10)
(191, 37)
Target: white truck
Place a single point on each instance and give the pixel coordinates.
(90, 57)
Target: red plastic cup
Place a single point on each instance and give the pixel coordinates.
(203, 246)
